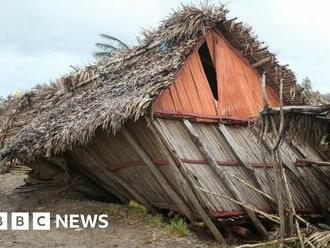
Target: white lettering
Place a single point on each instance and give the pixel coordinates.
(41, 221)
(88, 221)
(60, 221)
(74, 221)
(103, 218)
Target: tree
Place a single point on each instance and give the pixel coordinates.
(313, 96)
(307, 85)
(108, 47)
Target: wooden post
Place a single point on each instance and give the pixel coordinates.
(283, 195)
(175, 162)
(264, 94)
(221, 173)
(262, 62)
(158, 175)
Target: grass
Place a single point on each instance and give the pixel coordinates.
(114, 211)
(157, 220)
(136, 210)
(179, 227)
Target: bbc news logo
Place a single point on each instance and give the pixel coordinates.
(42, 221)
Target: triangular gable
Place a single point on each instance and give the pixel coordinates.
(190, 94)
(238, 85)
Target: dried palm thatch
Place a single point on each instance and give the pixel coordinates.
(53, 118)
(318, 239)
(302, 124)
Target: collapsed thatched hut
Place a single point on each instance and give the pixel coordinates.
(161, 120)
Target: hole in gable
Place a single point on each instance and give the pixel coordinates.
(209, 69)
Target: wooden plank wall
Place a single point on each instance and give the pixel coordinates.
(257, 155)
(239, 87)
(189, 94)
(109, 157)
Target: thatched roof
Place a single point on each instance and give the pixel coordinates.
(302, 124)
(52, 118)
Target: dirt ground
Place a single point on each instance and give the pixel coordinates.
(125, 230)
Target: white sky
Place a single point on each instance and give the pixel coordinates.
(40, 38)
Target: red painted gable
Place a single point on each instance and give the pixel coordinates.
(239, 86)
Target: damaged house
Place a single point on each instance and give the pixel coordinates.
(175, 117)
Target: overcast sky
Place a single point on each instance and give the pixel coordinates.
(40, 39)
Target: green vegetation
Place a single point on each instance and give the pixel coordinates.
(307, 85)
(312, 95)
(179, 227)
(109, 46)
(136, 209)
(325, 140)
(157, 220)
(114, 211)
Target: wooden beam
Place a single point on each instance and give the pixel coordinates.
(262, 62)
(158, 175)
(265, 100)
(305, 162)
(175, 162)
(221, 173)
(299, 109)
(230, 20)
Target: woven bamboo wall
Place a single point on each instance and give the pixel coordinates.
(112, 160)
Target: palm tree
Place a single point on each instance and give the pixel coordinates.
(108, 47)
